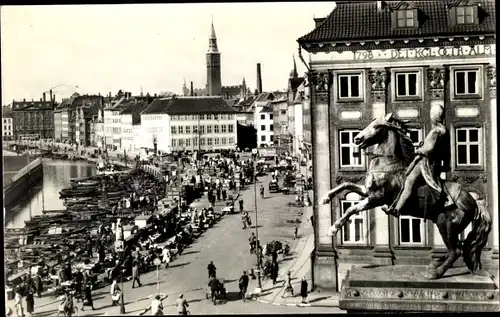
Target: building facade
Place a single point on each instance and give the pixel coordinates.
(204, 124)
(7, 130)
(264, 123)
(415, 55)
(280, 118)
(33, 118)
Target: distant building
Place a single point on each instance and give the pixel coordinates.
(33, 118)
(213, 85)
(280, 122)
(204, 124)
(7, 131)
(130, 117)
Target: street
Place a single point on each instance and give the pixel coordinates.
(226, 243)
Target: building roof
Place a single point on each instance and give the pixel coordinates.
(133, 106)
(32, 105)
(265, 96)
(295, 82)
(157, 106)
(266, 109)
(193, 105)
(362, 21)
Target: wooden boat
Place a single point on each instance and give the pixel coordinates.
(69, 192)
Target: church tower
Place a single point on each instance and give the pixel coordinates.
(213, 66)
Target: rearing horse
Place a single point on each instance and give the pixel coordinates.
(384, 180)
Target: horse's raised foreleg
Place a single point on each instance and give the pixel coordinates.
(367, 203)
(358, 189)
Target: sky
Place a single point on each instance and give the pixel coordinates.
(103, 48)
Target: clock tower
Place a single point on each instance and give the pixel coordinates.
(213, 66)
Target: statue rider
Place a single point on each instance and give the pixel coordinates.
(432, 158)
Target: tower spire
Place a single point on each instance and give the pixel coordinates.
(294, 72)
(212, 40)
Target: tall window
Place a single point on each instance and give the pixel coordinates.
(188, 142)
(465, 15)
(271, 127)
(407, 84)
(349, 86)
(195, 141)
(415, 136)
(195, 129)
(263, 138)
(181, 142)
(468, 146)
(209, 117)
(466, 82)
(209, 128)
(223, 128)
(272, 138)
(216, 141)
(173, 129)
(262, 128)
(224, 141)
(406, 18)
(216, 117)
(411, 230)
(348, 149)
(230, 128)
(174, 142)
(271, 116)
(202, 129)
(209, 141)
(188, 129)
(231, 141)
(216, 128)
(262, 117)
(180, 129)
(355, 230)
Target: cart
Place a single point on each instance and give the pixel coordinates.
(221, 292)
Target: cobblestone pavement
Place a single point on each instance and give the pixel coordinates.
(226, 243)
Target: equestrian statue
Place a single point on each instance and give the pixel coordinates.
(409, 182)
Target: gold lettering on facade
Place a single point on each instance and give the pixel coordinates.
(406, 53)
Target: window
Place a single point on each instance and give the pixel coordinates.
(263, 138)
(272, 138)
(224, 141)
(271, 127)
(223, 128)
(354, 231)
(270, 117)
(216, 128)
(468, 146)
(202, 141)
(180, 129)
(262, 117)
(173, 130)
(195, 141)
(407, 84)
(349, 86)
(262, 128)
(209, 128)
(466, 82)
(348, 148)
(411, 230)
(209, 141)
(415, 136)
(223, 117)
(174, 142)
(283, 111)
(188, 129)
(231, 141)
(181, 142)
(216, 141)
(202, 129)
(230, 128)
(195, 129)
(188, 142)
(209, 117)
(406, 18)
(465, 15)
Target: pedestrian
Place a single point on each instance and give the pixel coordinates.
(182, 305)
(243, 284)
(303, 289)
(214, 287)
(30, 301)
(212, 270)
(135, 275)
(115, 293)
(18, 303)
(39, 285)
(224, 194)
(166, 257)
(274, 271)
(296, 232)
(156, 306)
(288, 287)
(241, 204)
(87, 297)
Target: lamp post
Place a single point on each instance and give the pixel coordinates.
(257, 252)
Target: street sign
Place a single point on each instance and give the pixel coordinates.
(157, 262)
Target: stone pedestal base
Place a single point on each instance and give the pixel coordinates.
(404, 288)
(325, 277)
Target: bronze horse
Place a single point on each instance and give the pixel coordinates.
(384, 180)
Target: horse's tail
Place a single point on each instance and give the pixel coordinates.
(477, 238)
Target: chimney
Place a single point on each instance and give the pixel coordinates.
(44, 98)
(259, 79)
(155, 96)
(24, 99)
(51, 96)
(192, 90)
(318, 21)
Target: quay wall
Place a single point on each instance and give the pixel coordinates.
(28, 176)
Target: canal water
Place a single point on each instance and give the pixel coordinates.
(56, 176)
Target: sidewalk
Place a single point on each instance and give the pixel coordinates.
(300, 265)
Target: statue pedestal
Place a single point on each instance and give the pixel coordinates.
(403, 288)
